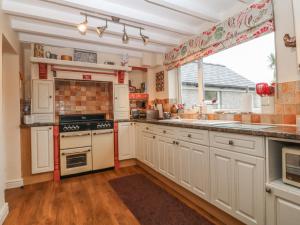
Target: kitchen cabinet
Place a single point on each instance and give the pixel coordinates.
(121, 101)
(42, 149)
(126, 140)
(149, 149)
(283, 207)
(139, 141)
(237, 185)
(296, 7)
(42, 96)
(194, 168)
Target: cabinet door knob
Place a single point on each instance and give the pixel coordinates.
(231, 142)
(189, 135)
(147, 128)
(177, 143)
(174, 142)
(268, 190)
(153, 137)
(165, 131)
(50, 96)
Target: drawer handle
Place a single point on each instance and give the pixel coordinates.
(153, 137)
(268, 190)
(189, 135)
(147, 128)
(165, 132)
(103, 133)
(76, 153)
(174, 142)
(177, 143)
(75, 135)
(231, 142)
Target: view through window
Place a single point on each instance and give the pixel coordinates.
(228, 74)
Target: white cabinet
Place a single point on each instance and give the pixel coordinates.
(126, 140)
(121, 101)
(296, 7)
(42, 96)
(194, 168)
(139, 141)
(237, 185)
(283, 208)
(149, 149)
(42, 149)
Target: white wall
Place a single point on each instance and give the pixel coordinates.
(11, 37)
(287, 69)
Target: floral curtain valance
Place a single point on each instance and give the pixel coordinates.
(252, 22)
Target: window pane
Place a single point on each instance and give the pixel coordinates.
(189, 84)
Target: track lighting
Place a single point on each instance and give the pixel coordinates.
(144, 37)
(82, 27)
(125, 37)
(100, 30)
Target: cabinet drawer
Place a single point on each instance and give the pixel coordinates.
(194, 136)
(167, 131)
(75, 139)
(247, 144)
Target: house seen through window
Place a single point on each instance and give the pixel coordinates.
(221, 79)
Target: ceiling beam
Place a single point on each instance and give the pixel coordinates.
(42, 14)
(187, 9)
(68, 33)
(127, 14)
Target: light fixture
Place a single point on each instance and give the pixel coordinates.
(82, 27)
(100, 30)
(144, 37)
(125, 37)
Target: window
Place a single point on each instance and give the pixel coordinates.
(225, 76)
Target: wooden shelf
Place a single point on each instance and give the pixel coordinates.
(94, 66)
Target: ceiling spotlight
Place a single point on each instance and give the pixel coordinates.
(100, 30)
(144, 37)
(125, 37)
(82, 27)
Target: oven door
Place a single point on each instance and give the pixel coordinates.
(76, 139)
(76, 160)
(291, 166)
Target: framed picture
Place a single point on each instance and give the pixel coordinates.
(160, 81)
(85, 56)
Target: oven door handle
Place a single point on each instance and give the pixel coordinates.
(76, 153)
(110, 132)
(75, 135)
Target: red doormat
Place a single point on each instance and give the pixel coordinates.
(152, 205)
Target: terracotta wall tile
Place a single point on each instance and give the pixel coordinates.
(289, 119)
(255, 118)
(81, 97)
(289, 109)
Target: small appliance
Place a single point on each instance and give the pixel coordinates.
(291, 165)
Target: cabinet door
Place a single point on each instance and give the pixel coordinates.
(162, 148)
(42, 149)
(124, 135)
(194, 168)
(172, 161)
(132, 137)
(296, 7)
(121, 96)
(42, 96)
(283, 207)
(237, 185)
(149, 149)
(138, 141)
(221, 179)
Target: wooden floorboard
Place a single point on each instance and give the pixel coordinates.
(84, 200)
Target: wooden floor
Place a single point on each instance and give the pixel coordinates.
(84, 200)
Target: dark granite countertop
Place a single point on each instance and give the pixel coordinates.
(37, 125)
(277, 131)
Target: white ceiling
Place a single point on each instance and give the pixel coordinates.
(166, 22)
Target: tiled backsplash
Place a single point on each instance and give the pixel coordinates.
(287, 107)
(83, 97)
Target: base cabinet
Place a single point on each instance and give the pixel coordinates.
(126, 140)
(282, 208)
(237, 185)
(149, 150)
(42, 152)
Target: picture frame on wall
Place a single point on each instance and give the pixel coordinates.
(85, 56)
(160, 81)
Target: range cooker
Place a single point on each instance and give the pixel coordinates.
(86, 143)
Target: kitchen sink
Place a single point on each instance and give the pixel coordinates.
(245, 126)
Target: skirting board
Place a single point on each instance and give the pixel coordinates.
(14, 183)
(3, 213)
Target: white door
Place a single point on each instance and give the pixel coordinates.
(138, 141)
(221, 179)
(148, 149)
(42, 149)
(296, 7)
(42, 96)
(194, 168)
(125, 150)
(121, 101)
(237, 185)
(283, 207)
(172, 161)
(163, 144)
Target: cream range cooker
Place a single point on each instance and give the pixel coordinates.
(86, 143)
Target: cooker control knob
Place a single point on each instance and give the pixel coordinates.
(98, 126)
(77, 127)
(65, 128)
